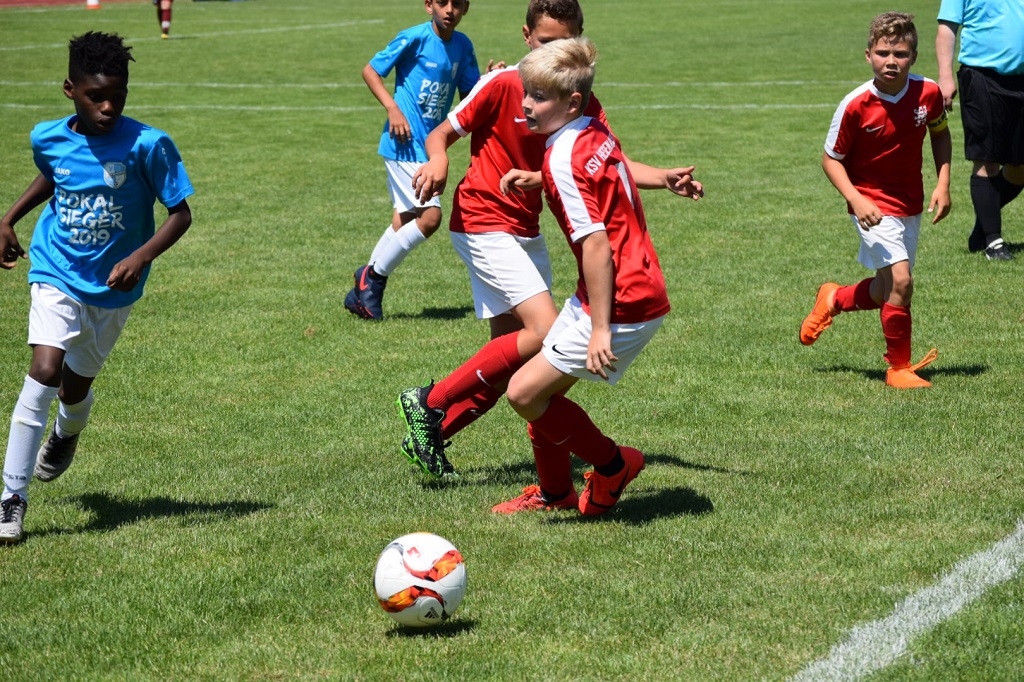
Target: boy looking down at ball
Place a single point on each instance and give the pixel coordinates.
(620, 300)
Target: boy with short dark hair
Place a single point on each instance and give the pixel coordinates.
(91, 251)
(873, 157)
(496, 232)
(620, 300)
(430, 60)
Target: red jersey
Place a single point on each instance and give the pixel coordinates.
(878, 138)
(500, 141)
(589, 188)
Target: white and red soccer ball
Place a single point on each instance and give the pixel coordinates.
(420, 579)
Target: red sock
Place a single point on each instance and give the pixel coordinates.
(466, 411)
(165, 15)
(492, 365)
(855, 297)
(554, 466)
(896, 327)
(568, 425)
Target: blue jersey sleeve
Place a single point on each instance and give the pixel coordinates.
(469, 73)
(385, 61)
(166, 171)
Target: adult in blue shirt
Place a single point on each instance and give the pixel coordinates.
(991, 87)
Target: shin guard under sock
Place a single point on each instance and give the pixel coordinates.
(896, 327)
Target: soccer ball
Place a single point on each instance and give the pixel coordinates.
(420, 579)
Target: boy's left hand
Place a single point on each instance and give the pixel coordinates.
(680, 181)
(520, 180)
(126, 274)
(491, 66)
(599, 353)
(940, 204)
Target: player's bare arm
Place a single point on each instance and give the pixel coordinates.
(127, 273)
(38, 191)
(599, 276)
(517, 180)
(431, 178)
(398, 125)
(867, 213)
(942, 150)
(676, 180)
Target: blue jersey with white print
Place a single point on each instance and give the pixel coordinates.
(428, 71)
(102, 205)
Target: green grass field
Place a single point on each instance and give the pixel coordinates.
(241, 471)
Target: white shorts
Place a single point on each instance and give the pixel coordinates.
(86, 333)
(892, 240)
(565, 346)
(504, 270)
(403, 196)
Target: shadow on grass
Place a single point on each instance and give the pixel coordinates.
(642, 507)
(444, 630)
(435, 314)
(110, 513)
(524, 473)
(931, 371)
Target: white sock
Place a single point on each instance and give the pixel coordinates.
(28, 425)
(405, 240)
(71, 419)
(382, 243)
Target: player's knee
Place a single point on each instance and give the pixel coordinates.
(46, 371)
(903, 287)
(1014, 174)
(429, 221)
(519, 398)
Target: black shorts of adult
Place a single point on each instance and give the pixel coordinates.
(992, 111)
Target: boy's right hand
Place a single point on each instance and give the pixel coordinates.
(866, 212)
(430, 179)
(398, 126)
(10, 248)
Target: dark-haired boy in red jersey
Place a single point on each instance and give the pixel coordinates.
(497, 234)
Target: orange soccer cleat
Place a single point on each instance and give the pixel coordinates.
(821, 315)
(602, 492)
(533, 499)
(906, 377)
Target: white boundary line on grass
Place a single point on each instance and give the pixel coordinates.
(213, 34)
(876, 645)
(333, 109)
(329, 86)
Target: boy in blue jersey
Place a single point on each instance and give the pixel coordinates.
(430, 61)
(100, 174)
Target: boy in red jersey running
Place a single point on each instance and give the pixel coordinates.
(873, 157)
(620, 300)
(497, 234)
